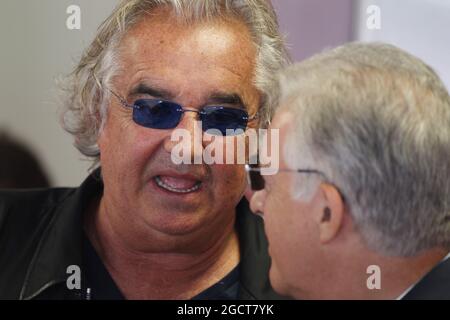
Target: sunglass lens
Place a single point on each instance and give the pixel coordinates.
(223, 119)
(156, 114)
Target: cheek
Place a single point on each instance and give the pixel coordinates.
(283, 253)
(126, 148)
(283, 224)
(114, 134)
(293, 239)
(279, 222)
(144, 142)
(229, 180)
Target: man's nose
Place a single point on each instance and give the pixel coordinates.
(190, 136)
(257, 203)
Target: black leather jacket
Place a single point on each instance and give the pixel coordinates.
(41, 234)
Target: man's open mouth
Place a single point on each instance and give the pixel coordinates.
(177, 185)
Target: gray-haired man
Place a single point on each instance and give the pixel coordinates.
(360, 208)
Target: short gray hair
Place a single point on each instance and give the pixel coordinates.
(376, 121)
(85, 110)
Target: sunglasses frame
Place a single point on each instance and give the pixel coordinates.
(249, 169)
(182, 110)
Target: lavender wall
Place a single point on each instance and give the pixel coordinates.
(313, 25)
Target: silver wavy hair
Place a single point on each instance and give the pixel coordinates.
(85, 110)
(376, 121)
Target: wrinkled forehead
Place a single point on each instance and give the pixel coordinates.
(162, 32)
(192, 59)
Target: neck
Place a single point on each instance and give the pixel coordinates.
(185, 268)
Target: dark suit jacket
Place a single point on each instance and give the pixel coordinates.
(434, 286)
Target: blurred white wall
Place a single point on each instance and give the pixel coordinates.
(421, 27)
(35, 49)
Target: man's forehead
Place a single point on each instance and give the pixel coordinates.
(227, 44)
(162, 27)
(202, 62)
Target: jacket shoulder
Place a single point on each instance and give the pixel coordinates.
(24, 216)
(29, 204)
(23, 211)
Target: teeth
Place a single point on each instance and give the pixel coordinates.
(163, 185)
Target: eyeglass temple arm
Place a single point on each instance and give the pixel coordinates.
(258, 169)
(255, 116)
(121, 100)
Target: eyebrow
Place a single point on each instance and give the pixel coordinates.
(152, 91)
(215, 98)
(226, 98)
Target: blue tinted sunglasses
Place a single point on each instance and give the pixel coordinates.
(160, 114)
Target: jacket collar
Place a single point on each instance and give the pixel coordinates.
(435, 285)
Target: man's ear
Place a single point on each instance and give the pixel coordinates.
(331, 215)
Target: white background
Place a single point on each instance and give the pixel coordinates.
(35, 49)
(421, 27)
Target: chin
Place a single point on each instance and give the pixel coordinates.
(175, 224)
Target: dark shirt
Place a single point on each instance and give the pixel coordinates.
(103, 287)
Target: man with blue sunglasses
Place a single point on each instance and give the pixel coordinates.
(141, 226)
